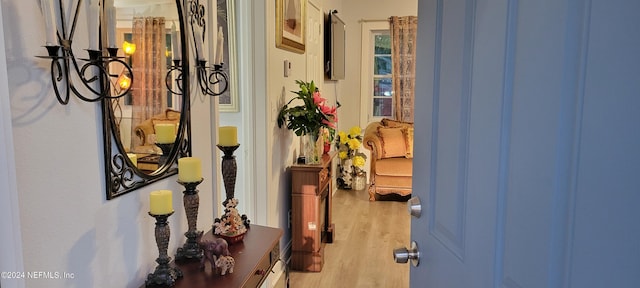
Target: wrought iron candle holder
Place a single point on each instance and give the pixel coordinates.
(175, 68)
(191, 201)
(63, 61)
(166, 149)
(209, 77)
(229, 169)
(164, 273)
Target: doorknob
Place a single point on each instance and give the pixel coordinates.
(414, 207)
(402, 255)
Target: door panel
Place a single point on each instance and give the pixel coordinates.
(526, 144)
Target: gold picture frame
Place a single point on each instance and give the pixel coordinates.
(291, 25)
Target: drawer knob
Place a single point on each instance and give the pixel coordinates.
(261, 272)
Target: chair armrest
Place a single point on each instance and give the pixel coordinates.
(143, 130)
(371, 140)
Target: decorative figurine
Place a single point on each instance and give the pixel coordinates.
(212, 249)
(225, 263)
(232, 226)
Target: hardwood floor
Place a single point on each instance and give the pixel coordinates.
(361, 254)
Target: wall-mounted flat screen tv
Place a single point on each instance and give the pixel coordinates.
(335, 38)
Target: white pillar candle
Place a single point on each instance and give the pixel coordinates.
(49, 21)
(110, 10)
(175, 43)
(93, 24)
(189, 169)
(214, 24)
(198, 41)
(220, 50)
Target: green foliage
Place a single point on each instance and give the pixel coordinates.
(311, 115)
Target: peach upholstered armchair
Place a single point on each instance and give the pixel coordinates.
(391, 146)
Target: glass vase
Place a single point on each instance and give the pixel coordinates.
(359, 180)
(312, 148)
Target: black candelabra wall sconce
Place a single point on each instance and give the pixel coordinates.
(208, 76)
(100, 63)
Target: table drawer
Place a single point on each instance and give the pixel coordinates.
(264, 268)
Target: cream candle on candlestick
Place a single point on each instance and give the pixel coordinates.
(220, 51)
(93, 24)
(161, 202)
(175, 43)
(165, 133)
(189, 169)
(228, 136)
(111, 23)
(198, 40)
(214, 24)
(134, 158)
(49, 21)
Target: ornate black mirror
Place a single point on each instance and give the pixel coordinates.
(147, 130)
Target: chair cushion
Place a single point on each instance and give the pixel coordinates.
(399, 166)
(393, 141)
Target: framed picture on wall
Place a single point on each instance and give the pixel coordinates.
(226, 27)
(290, 25)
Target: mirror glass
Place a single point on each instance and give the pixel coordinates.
(147, 130)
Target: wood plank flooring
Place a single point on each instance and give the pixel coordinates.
(362, 252)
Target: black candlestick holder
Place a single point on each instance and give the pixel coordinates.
(229, 169)
(166, 149)
(164, 273)
(191, 201)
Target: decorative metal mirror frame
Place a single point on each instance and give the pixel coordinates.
(121, 177)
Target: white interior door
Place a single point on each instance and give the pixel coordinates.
(314, 48)
(527, 144)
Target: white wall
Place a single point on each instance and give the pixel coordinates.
(66, 223)
(353, 12)
(10, 238)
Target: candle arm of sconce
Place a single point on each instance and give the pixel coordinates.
(169, 79)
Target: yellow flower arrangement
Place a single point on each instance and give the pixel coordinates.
(358, 161)
(348, 145)
(354, 144)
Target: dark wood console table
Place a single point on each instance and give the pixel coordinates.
(311, 224)
(254, 259)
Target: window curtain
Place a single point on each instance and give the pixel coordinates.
(403, 56)
(148, 90)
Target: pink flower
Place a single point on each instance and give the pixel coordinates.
(326, 110)
(317, 99)
(329, 123)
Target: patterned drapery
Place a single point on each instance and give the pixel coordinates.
(403, 56)
(148, 90)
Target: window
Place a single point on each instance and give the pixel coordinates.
(376, 78)
(381, 76)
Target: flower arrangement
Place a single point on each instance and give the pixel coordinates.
(352, 160)
(309, 119)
